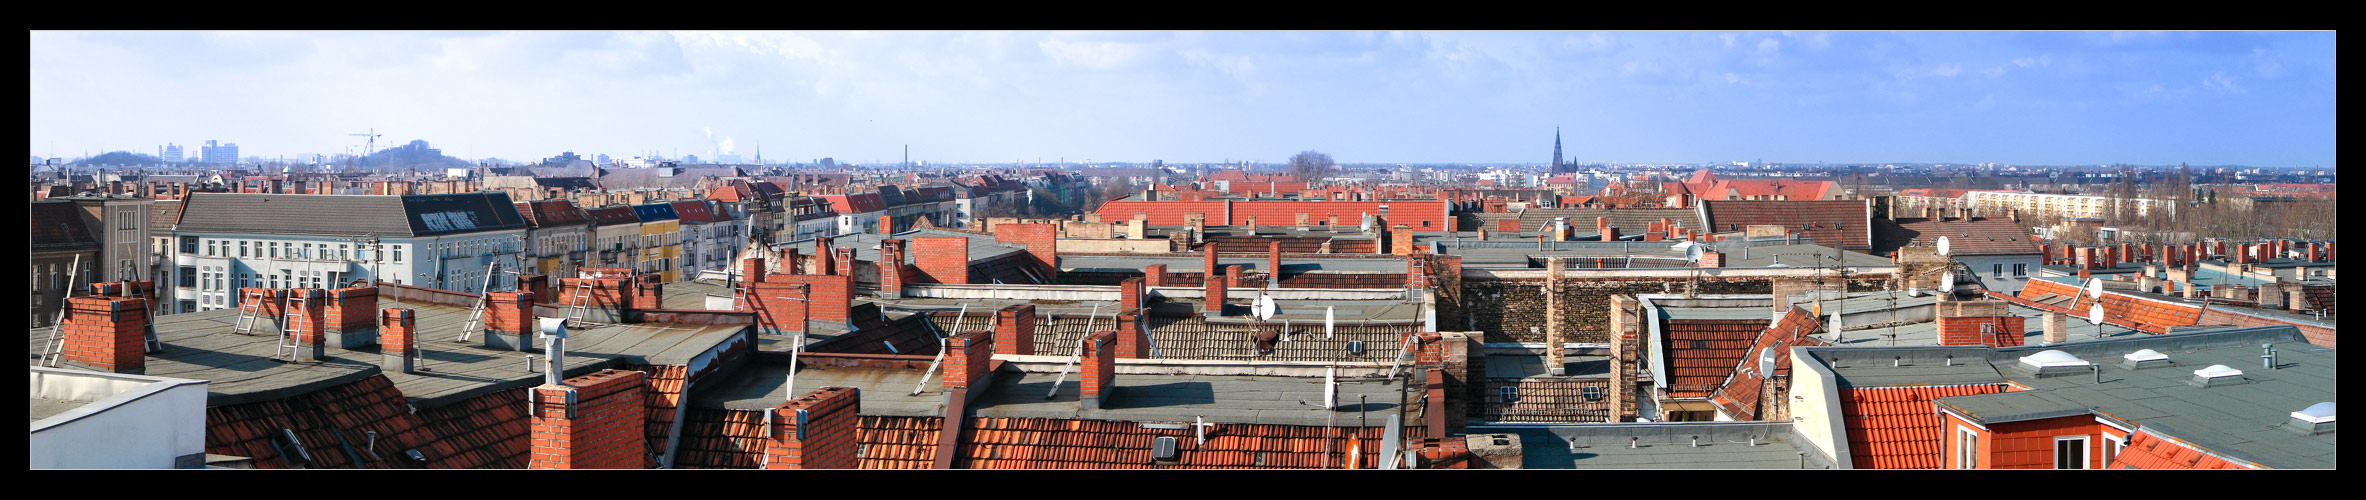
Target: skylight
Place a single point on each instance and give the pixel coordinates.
(2052, 358)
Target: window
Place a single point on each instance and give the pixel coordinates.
(1967, 448)
(1998, 270)
(242, 248)
(2020, 269)
(188, 276)
(2111, 448)
(2070, 452)
(398, 254)
(188, 244)
(1592, 393)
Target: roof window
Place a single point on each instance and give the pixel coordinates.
(2316, 419)
(2215, 376)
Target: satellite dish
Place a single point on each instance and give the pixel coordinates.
(1943, 246)
(2095, 315)
(1263, 307)
(1947, 282)
(1330, 319)
(1692, 252)
(2095, 288)
(1367, 223)
(1766, 362)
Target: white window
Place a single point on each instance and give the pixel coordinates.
(2020, 269)
(2070, 452)
(2111, 448)
(1967, 448)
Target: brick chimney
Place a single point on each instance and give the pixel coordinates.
(2086, 258)
(509, 320)
(1014, 330)
(2296, 299)
(1961, 322)
(397, 338)
(780, 305)
(608, 301)
(1098, 369)
(1133, 341)
(940, 259)
(648, 293)
(842, 263)
(1042, 244)
(2111, 257)
(537, 283)
(1237, 276)
(107, 333)
(1129, 294)
(816, 431)
(1273, 264)
(891, 269)
(310, 332)
(751, 270)
(1711, 258)
(1401, 239)
(828, 263)
(791, 262)
(1507, 225)
(969, 358)
(1214, 303)
(595, 421)
(886, 225)
(1154, 275)
(352, 315)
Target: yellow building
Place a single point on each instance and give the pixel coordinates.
(661, 241)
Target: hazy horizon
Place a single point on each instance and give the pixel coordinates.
(2260, 99)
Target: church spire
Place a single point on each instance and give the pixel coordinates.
(1557, 165)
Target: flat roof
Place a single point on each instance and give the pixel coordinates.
(885, 391)
(1664, 445)
(1533, 365)
(45, 408)
(2242, 420)
(1190, 263)
(1219, 399)
(240, 368)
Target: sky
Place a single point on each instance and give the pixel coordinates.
(2026, 98)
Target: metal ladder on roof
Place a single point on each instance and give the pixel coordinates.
(290, 322)
(153, 345)
(476, 315)
(578, 305)
(250, 307)
(53, 351)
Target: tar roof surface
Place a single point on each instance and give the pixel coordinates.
(866, 245)
(2242, 420)
(1721, 445)
(1190, 263)
(885, 391)
(201, 346)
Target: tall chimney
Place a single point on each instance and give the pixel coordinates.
(1215, 294)
(969, 357)
(1154, 275)
(826, 258)
(594, 421)
(1129, 294)
(397, 339)
(1273, 264)
(1014, 330)
(1099, 369)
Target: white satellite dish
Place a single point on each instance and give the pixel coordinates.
(1367, 223)
(1263, 307)
(1947, 282)
(1330, 319)
(2095, 315)
(1692, 252)
(1766, 362)
(2095, 288)
(1943, 246)
(1331, 388)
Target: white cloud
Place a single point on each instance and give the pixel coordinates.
(1736, 80)
(1097, 55)
(1948, 71)
(1728, 37)
(1993, 71)
(1769, 46)
(2039, 61)
(1592, 42)
(2220, 81)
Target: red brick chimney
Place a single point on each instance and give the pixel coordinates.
(1014, 330)
(1966, 330)
(968, 358)
(1207, 262)
(1154, 275)
(311, 335)
(1133, 342)
(886, 225)
(1711, 258)
(941, 259)
(1273, 264)
(595, 421)
(891, 269)
(1099, 368)
(397, 339)
(1400, 240)
(107, 333)
(828, 258)
(509, 320)
(537, 283)
(352, 315)
(648, 292)
(1129, 294)
(791, 262)
(1042, 244)
(816, 431)
(1215, 295)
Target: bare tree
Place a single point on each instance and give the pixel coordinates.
(1310, 165)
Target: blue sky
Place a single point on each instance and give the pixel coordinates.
(2056, 98)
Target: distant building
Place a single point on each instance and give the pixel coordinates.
(218, 153)
(171, 153)
(325, 241)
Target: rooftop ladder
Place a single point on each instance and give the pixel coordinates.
(577, 306)
(250, 307)
(476, 315)
(53, 351)
(153, 345)
(290, 322)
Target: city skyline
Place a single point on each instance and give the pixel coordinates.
(2042, 98)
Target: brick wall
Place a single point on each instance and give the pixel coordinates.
(353, 310)
(107, 333)
(780, 306)
(1514, 306)
(606, 430)
(1966, 331)
(825, 439)
(831, 297)
(940, 259)
(1042, 243)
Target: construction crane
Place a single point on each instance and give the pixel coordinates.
(373, 144)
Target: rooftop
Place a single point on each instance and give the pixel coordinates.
(1664, 445)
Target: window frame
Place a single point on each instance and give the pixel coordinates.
(1967, 448)
(2081, 450)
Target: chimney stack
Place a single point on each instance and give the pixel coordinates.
(843, 263)
(886, 225)
(1273, 264)
(1154, 275)
(509, 320)
(1014, 330)
(969, 358)
(1215, 294)
(353, 316)
(595, 421)
(1711, 258)
(107, 333)
(826, 258)
(941, 259)
(2056, 328)
(311, 335)
(1129, 294)
(397, 339)
(1099, 368)
(816, 431)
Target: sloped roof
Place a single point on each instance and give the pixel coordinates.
(612, 214)
(1974, 236)
(693, 211)
(1705, 351)
(1845, 224)
(407, 215)
(57, 225)
(551, 213)
(655, 212)
(1740, 393)
(2147, 451)
(1898, 427)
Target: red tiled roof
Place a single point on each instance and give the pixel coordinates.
(1042, 443)
(897, 442)
(720, 439)
(548, 213)
(2118, 309)
(2147, 451)
(57, 223)
(1845, 224)
(1740, 394)
(693, 211)
(1976, 236)
(1897, 427)
(855, 203)
(613, 214)
(484, 432)
(1694, 371)
(663, 384)
(1164, 213)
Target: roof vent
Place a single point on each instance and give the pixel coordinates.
(2143, 359)
(2054, 363)
(1163, 449)
(2215, 376)
(2317, 419)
